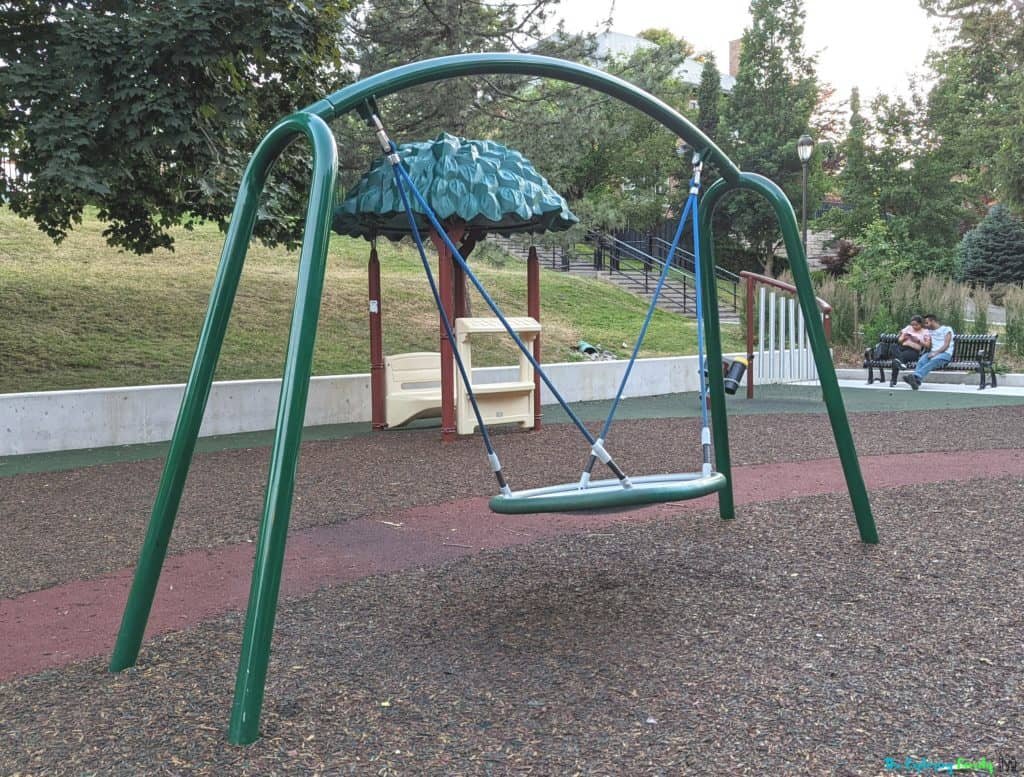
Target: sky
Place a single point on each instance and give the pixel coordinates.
(872, 44)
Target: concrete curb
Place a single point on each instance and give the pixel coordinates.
(49, 421)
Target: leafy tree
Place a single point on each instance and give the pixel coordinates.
(616, 167)
(993, 252)
(895, 176)
(149, 110)
(917, 192)
(856, 180)
(978, 99)
(387, 33)
(886, 253)
(769, 108)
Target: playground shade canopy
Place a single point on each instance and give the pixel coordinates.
(490, 187)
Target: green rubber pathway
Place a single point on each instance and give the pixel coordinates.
(769, 399)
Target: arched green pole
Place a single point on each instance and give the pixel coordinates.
(284, 456)
(815, 333)
(291, 408)
(244, 727)
(712, 336)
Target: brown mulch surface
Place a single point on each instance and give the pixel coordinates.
(773, 645)
(78, 524)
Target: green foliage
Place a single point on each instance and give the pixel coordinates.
(709, 97)
(616, 167)
(993, 252)
(887, 252)
(894, 173)
(880, 260)
(769, 108)
(856, 180)
(388, 33)
(1014, 335)
(875, 308)
(978, 97)
(845, 319)
(881, 322)
(981, 300)
(149, 110)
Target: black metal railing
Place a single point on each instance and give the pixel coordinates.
(624, 253)
(633, 267)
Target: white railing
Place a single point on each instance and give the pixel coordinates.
(781, 351)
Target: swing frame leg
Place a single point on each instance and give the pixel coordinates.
(815, 332)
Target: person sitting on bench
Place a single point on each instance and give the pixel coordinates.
(940, 354)
(912, 340)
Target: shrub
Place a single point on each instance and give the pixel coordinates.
(903, 302)
(870, 302)
(843, 300)
(998, 292)
(981, 299)
(839, 263)
(882, 321)
(1014, 337)
(993, 251)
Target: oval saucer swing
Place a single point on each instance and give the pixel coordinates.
(610, 493)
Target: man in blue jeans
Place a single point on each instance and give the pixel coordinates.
(941, 351)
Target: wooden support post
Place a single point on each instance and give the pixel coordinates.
(378, 411)
(459, 290)
(533, 310)
(445, 283)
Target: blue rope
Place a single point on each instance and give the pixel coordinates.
(490, 302)
(690, 202)
(705, 433)
(444, 319)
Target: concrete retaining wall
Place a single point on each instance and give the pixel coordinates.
(44, 421)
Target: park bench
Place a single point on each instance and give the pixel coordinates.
(970, 353)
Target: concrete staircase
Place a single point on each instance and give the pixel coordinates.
(637, 274)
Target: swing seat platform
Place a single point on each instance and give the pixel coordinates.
(604, 494)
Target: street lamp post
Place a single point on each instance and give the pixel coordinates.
(804, 149)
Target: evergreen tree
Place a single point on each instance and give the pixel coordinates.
(769, 108)
(709, 95)
(993, 252)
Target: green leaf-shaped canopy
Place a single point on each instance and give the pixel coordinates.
(481, 182)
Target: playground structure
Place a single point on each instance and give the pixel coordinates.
(501, 402)
(465, 191)
(622, 491)
(412, 383)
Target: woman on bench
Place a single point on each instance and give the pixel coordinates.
(912, 340)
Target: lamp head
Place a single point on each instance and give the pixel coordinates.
(805, 147)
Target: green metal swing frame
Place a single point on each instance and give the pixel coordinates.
(311, 122)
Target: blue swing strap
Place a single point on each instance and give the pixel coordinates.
(705, 428)
(405, 183)
(691, 206)
(492, 456)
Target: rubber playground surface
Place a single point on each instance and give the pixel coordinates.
(418, 633)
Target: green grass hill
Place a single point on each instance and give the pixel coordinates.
(83, 315)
